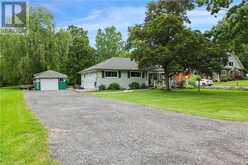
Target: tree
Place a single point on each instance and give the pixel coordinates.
(232, 32)
(25, 54)
(200, 53)
(63, 41)
(154, 43)
(163, 40)
(80, 55)
(178, 8)
(109, 44)
(215, 6)
(12, 50)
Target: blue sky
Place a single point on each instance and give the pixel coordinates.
(95, 14)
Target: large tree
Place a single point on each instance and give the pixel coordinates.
(25, 54)
(81, 55)
(164, 40)
(199, 53)
(109, 43)
(154, 43)
(232, 32)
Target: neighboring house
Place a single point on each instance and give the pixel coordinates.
(49, 80)
(119, 70)
(233, 70)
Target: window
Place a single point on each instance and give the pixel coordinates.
(111, 74)
(135, 74)
(230, 64)
(223, 72)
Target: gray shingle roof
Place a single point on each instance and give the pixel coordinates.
(49, 74)
(114, 63)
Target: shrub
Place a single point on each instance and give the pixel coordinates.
(192, 81)
(134, 85)
(114, 86)
(192, 84)
(102, 87)
(143, 86)
(225, 79)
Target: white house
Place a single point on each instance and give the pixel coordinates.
(119, 70)
(49, 80)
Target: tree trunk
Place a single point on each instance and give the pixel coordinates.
(167, 81)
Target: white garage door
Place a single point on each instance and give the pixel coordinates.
(49, 84)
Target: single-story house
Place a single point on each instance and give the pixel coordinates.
(49, 80)
(119, 70)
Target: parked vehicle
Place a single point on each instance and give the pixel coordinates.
(206, 82)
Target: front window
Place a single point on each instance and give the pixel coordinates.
(135, 74)
(111, 74)
(230, 63)
(223, 72)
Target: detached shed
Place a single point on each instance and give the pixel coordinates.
(49, 80)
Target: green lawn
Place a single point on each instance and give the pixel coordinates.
(23, 140)
(241, 83)
(215, 104)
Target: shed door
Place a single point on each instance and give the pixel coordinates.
(49, 84)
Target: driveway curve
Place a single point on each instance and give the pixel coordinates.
(86, 130)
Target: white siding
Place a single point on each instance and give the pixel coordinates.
(49, 84)
(88, 80)
(124, 81)
(235, 64)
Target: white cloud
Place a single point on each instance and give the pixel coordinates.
(202, 20)
(123, 17)
(120, 17)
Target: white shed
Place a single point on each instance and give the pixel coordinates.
(49, 80)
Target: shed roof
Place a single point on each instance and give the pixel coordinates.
(114, 63)
(49, 74)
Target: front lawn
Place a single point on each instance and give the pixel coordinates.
(23, 140)
(216, 104)
(241, 83)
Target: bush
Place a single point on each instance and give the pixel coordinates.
(114, 86)
(102, 87)
(134, 85)
(192, 84)
(192, 81)
(143, 86)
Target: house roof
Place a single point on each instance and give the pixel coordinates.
(49, 74)
(236, 58)
(114, 63)
(239, 62)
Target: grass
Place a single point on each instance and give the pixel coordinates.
(23, 140)
(239, 83)
(215, 104)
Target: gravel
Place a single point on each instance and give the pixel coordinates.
(89, 130)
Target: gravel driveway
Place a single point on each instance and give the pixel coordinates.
(89, 130)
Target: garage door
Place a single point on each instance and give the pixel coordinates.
(49, 84)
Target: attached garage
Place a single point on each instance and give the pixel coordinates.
(50, 81)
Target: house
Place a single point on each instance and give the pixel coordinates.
(233, 70)
(49, 80)
(119, 70)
